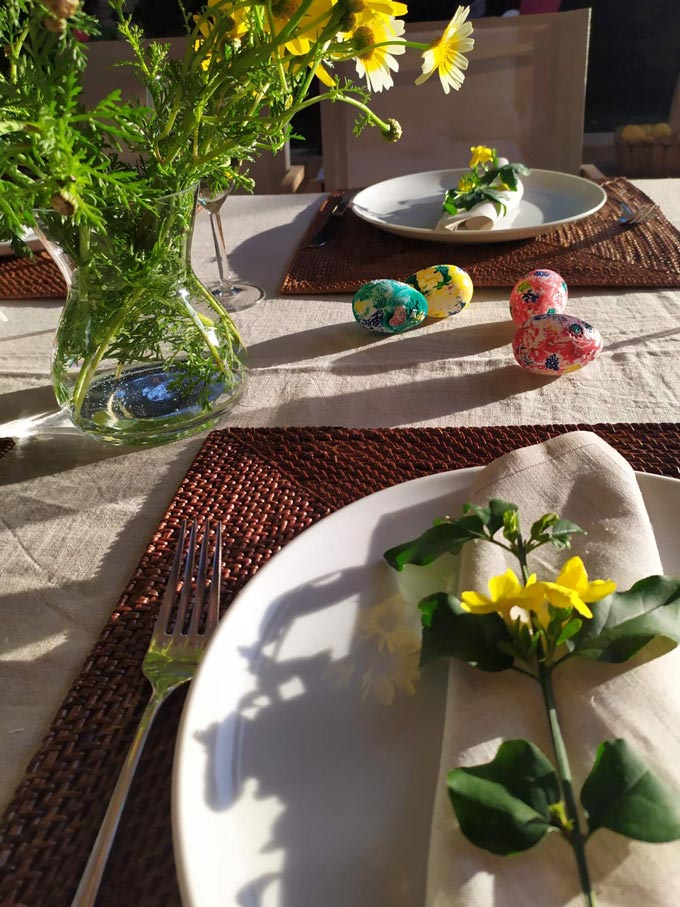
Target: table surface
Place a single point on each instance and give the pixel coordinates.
(76, 514)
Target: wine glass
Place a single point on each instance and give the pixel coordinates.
(234, 294)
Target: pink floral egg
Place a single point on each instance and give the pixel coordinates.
(556, 343)
(539, 292)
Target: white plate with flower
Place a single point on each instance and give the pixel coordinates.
(309, 748)
(412, 205)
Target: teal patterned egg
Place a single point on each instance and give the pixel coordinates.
(447, 288)
(388, 306)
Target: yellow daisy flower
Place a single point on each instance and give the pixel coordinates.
(506, 593)
(480, 155)
(383, 7)
(573, 589)
(445, 55)
(312, 22)
(375, 54)
(236, 26)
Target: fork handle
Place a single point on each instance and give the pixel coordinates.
(90, 881)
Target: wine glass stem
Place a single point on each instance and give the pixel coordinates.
(226, 279)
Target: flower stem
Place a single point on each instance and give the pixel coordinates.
(575, 835)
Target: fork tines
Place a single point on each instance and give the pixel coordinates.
(187, 615)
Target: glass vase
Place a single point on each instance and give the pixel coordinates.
(144, 353)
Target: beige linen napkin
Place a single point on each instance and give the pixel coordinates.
(583, 479)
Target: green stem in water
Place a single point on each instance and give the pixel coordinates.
(87, 373)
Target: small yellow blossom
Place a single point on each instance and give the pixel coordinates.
(466, 184)
(445, 55)
(506, 593)
(572, 588)
(480, 155)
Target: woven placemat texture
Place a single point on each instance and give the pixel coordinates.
(266, 486)
(595, 251)
(29, 277)
(6, 444)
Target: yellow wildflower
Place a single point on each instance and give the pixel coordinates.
(310, 25)
(506, 593)
(573, 589)
(445, 55)
(480, 155)
(466, 184)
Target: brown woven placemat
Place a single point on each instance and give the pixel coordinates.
(266, 485)
(31, 277)
(6, 444)
(595, 251)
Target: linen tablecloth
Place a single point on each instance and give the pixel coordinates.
(77, 514)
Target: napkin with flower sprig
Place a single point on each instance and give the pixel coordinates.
(584, 480)
(487, 197)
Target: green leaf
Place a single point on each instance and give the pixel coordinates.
(504, 806)
(7, 126)
(507, 174)
(449, 204)
(539, 530)
(562, 531)
(501, 513)
(624, 622)
(443, 538)
(570, 630)
(451, 632)
(623, 795)
(483, 513)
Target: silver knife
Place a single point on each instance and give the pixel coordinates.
(329, 228)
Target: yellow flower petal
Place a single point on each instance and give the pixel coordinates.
(481, 154)
(599, 588)
(573, 575)
(504, 586)
(473, 601)
(563, 597)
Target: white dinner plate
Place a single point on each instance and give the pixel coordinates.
(294, 786)
(412, 205)
(29, 238)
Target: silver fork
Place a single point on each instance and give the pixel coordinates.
(632, 217)
(177, 644)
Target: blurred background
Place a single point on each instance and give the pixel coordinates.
(633, 61)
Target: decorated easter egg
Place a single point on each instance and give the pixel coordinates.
(388, 306)
(556, 343)
(447, 288)
(539, 292)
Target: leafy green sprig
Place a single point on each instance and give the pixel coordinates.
(484, 182)
(511, 803)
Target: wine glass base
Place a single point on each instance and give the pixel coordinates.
(236, 296)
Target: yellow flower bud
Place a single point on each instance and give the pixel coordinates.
(393, 134)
